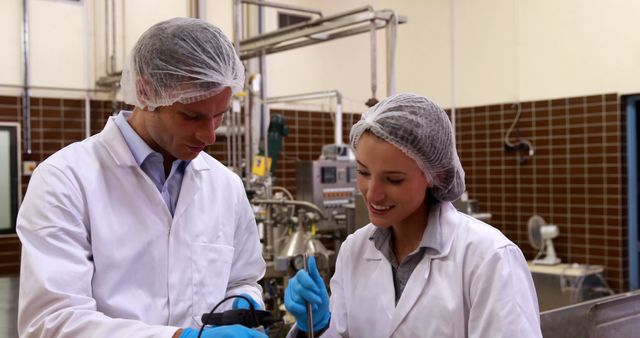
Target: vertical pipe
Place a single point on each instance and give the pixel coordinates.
(202, 9)
(266, 113)
(632, 191)
(227, 121)
(235, 146)
(392, 29)
(26, 99)
(374, 66)
(237, 36)
(87, 100)
(106, 37)
(247, 136)
(266, 118)
(338, 129)
(453, 66)
(112, 62)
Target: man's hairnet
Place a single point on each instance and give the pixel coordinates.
(180, 60)
(422, 130)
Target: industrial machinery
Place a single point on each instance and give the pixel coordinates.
(329, 183)
(470, 207)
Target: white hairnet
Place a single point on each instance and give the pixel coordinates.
(180, 60)
(422, 130)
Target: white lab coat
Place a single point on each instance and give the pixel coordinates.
(471, 282)
(103, 257)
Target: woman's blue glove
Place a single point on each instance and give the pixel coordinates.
(308, 287)
(240, 303)
(227, 331)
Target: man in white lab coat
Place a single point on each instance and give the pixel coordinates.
(135, 231)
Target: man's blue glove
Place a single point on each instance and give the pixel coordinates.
(308, 287)
(240, 303)
(227, 331)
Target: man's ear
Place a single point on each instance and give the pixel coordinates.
(144, 92)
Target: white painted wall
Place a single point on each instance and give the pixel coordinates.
(505, 50)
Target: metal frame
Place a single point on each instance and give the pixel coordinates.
(632, 190)
(337, 135)
(17, 153)
(316, 31)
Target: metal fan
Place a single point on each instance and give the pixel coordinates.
(540, 237)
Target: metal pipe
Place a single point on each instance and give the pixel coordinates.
(106, 36)
(306, 24)
(300, 38)
(303, 204)
(374, 61)
(283, 189)
(124, 36)
(235, 146)
(57, 88)
(26, 99)
(262, 68)
(247, 136)
(392, 30)
(87, 99)
(202, 9)
(266, 118)
(227, 136)
(112, 58)
(302, 97)
(283, 6)
(337, 136)
(452, 20)
(308, 42)
(237, 36)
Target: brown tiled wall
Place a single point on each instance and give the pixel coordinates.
(576, 179)
(55, 123)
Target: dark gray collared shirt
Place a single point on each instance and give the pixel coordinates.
(381, 238)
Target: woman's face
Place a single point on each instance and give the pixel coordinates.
(392, 184)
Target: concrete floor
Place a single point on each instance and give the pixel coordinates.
(8, 306)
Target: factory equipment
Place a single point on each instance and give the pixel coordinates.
(301, 242)
(470, 207)
(329, 184)
(612, 316)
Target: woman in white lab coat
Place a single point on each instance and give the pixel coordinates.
(420, 268)
(108, 248)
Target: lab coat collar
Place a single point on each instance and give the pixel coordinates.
(114, 142)
(437, 237)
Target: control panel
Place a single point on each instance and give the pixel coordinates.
(329, 184)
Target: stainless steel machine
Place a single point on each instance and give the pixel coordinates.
(329, 184)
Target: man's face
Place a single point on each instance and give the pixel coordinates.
(182, 131)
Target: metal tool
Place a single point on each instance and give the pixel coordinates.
(309, 307)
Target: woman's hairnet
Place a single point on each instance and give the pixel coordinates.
(180, 60)
(422, 130)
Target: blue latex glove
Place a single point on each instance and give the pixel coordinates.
(308, 287)
(240, 303)
(227, 331)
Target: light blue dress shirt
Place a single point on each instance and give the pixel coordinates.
(151, 162)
